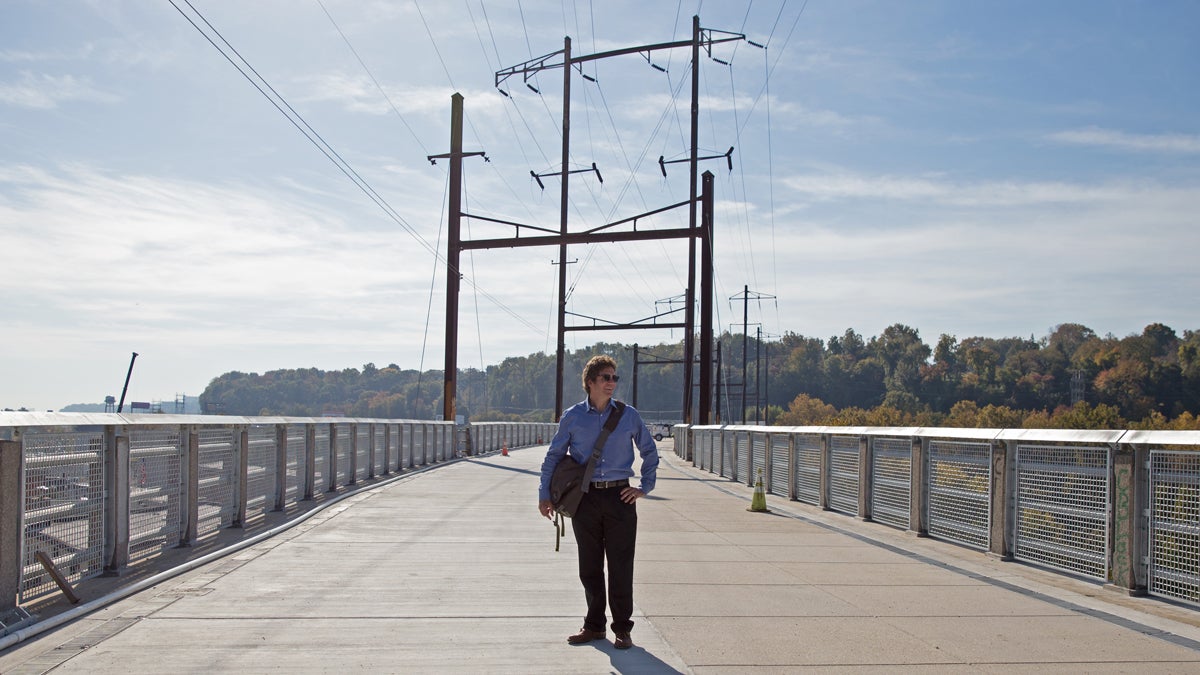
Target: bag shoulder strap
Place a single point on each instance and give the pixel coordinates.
(610, 425)
(614, 418)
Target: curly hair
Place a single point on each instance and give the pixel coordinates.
(594, 366)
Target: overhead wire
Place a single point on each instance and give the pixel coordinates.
(433, 279)
(298, 121)
(375, 81)
(446, 70)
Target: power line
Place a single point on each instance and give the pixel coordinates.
(372, 76)
(301, 125)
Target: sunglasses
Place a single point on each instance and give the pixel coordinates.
(608, 378)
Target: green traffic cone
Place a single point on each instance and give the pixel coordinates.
(758, 503)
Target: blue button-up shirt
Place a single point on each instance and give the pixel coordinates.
(577, 433)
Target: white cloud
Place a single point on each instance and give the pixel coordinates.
(358, 93)
(46, 92)
(1119, 140)
(935, 189)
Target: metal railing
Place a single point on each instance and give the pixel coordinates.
(1121, 507)
(88, 494)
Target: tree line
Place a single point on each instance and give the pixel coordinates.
(1070, 378)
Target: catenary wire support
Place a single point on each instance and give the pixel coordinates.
(662, 162)
(697, 232)
(539, 176)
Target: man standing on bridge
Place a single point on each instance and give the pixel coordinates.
(605, 524)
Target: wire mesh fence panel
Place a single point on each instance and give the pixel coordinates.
(1062, 508)
(362, 460)
(742, 450)
(780, 464)
(64, 509)
(294, 482)
(1174, 565)
(891, 481)
(343, 455)
(420, 437)
(843, 474)
(960, 492)
(380, 437)
(395, 453)
(217, 481)
(808, 468)
(406, 433)
(321, 460)
(728, 446)
(155, 492)
(700, 440)
(260, 470)
(758, 459)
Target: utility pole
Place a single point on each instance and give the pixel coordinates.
(745, 297)
(453, 275)
(635, 374)
(561, 340)
(694, 231)
(720, 381)
(766, 398)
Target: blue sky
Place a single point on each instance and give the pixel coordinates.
(961, 167)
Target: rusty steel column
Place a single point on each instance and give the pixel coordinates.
(453, 240)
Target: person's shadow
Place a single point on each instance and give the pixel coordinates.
(634, 660)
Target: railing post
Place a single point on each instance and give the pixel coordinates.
(918, 489)
(310, 462)
(12, 513)
(352, 474)
(331, 479)
(826, 465)
(865, 471)
(387, 449)
(768, 466)
(281, 457)
(371, 450)
(190, 514)
(116, 503)
(1129, 500)
(1000, 540)
(241, 459)
(793, 468)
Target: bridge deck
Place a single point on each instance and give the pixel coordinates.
(451, 570)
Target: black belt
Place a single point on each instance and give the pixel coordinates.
(601, 484)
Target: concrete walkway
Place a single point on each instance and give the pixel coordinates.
(452, 570)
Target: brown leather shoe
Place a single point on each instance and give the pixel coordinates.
(585, 635)
(622, 641)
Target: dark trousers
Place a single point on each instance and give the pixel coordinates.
(606, 528)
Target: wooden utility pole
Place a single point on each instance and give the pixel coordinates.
(453, 249)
